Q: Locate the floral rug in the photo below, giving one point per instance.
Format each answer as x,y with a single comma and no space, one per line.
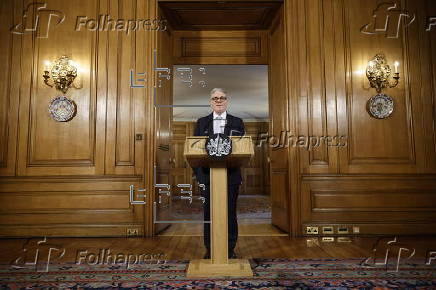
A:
248,207
268,274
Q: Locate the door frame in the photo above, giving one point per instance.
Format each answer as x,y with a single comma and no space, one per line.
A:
291,59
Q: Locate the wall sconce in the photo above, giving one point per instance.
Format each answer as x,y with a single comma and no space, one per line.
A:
62,74
378,73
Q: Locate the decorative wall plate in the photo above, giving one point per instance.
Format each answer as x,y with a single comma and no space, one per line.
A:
62,109
380,106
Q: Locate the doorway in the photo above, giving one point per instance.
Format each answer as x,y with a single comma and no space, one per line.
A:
194,47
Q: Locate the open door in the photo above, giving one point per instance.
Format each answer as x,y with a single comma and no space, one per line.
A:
255,36
163,100
278,102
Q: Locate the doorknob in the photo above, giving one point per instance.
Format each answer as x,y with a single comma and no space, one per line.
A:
268,160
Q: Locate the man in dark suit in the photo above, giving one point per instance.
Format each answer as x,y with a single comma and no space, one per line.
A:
219,121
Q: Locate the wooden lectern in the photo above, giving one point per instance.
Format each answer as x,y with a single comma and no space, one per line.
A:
195,154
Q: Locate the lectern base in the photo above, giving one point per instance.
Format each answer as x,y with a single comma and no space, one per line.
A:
205,268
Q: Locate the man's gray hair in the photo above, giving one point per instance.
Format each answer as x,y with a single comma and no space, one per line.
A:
221,90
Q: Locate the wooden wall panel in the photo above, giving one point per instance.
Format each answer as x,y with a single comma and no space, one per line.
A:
73,178
220,47
317,110
255,174
74,146
279,124
371,200
422,57
395,144
89,205
123,154
382,179
181,172
9,84
163,113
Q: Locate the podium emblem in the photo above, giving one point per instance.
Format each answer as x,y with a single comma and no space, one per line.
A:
219,145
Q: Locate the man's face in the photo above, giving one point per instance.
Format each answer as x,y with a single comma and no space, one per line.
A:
218,102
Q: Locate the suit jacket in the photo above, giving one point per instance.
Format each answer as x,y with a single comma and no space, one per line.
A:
234,127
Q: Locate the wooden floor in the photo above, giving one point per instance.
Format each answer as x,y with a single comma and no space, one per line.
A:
189,247
246,228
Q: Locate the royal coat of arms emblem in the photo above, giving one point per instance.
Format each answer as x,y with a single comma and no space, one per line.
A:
219,145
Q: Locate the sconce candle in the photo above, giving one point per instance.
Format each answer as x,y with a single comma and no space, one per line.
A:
396,64
47,65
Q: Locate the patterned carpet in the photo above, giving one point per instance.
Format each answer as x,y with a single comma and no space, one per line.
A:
248,207
268,274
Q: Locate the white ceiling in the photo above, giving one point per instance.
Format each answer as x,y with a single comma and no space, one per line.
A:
247,87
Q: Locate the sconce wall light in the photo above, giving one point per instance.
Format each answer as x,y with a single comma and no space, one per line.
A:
62,74
378,72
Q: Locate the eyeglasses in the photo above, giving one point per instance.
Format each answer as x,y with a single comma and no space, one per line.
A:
219,98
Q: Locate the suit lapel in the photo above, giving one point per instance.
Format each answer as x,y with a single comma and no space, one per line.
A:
209,126
228,124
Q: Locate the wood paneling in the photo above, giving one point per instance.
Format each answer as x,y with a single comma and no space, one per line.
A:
9,86
255,174
333,90
279,124
220,47
401,135
163,124
89,205
371,200
317,111
75,146
220,15
334,104
365,133
124,105
72,178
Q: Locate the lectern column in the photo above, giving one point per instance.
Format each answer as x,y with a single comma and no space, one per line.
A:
219,228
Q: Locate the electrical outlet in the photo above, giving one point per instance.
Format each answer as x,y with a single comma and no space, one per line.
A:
132,232
312,230
342,230
327,230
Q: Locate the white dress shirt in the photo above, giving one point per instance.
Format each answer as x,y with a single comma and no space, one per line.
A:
219,122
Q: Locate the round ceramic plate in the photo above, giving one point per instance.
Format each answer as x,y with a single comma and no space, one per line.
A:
62,109
380,106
